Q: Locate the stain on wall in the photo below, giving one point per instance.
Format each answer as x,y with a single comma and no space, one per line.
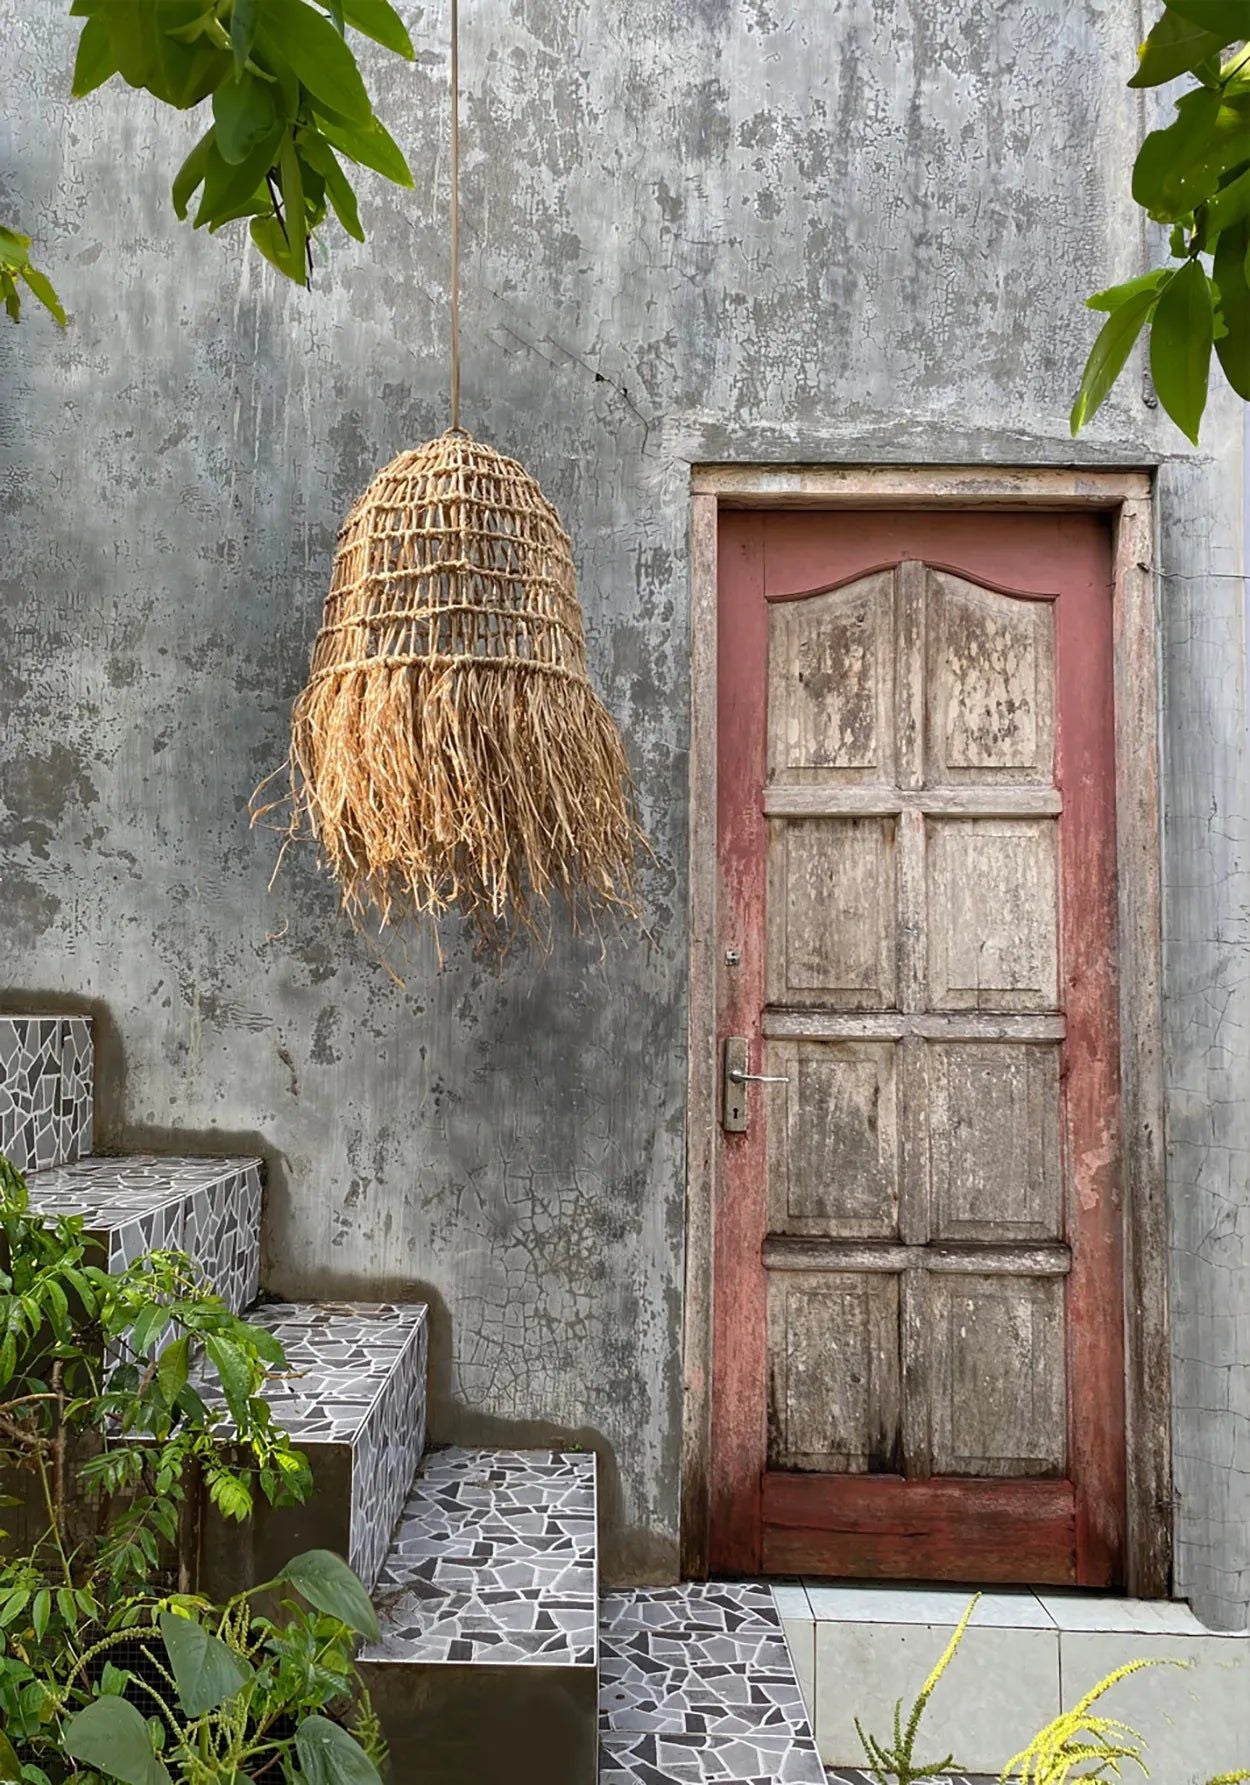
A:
728,229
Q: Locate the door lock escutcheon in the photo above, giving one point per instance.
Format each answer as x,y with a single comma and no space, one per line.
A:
735,1079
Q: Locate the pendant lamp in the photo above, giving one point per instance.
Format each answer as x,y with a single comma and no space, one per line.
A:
448,750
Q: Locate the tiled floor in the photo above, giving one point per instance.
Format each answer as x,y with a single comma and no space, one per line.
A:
696,1683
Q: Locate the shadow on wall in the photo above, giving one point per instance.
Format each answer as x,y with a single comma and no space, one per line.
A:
628,1556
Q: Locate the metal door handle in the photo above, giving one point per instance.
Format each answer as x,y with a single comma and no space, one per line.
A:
733,1113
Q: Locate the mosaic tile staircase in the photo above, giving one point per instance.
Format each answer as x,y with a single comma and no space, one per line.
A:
494,1642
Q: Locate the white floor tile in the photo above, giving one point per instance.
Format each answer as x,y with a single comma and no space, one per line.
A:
925,1605
1001,1687
1196,1721
1096,1611
791,1600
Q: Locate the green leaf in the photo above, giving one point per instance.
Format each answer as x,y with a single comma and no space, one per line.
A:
1115,295
244,19
111,1736
326,1581
264,1343
1181,336
293,209
40,1612
230,191
41,285
1233,346
95,61
1175,46
173,1368
1171,173
328,1755
10,1765
232,1366
289,31
379,20
1229,205
205,1670
317,152
246,114
371,145
1229,20
1110,351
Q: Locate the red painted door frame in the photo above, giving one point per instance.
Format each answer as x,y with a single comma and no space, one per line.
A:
1071,1531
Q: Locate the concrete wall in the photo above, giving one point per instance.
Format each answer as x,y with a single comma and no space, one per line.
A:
725,228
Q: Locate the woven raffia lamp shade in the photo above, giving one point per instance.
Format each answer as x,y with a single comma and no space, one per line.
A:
449,750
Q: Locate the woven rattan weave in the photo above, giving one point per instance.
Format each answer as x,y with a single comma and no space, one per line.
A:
449,750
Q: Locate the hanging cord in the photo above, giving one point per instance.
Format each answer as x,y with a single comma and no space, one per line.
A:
455,213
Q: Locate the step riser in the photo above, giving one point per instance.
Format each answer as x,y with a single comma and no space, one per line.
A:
487,1726
46,1097
354,1402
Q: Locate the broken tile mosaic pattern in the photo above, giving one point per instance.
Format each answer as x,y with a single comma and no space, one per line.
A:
208,1207
356,1379
696,1683
46,1070
493,1562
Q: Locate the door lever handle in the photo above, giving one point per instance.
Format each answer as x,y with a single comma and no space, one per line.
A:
733,1113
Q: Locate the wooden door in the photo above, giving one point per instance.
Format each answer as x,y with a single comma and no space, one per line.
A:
918,1348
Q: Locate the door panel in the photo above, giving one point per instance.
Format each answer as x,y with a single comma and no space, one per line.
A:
917,1288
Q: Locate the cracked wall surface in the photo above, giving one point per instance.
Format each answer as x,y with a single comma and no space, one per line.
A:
729,228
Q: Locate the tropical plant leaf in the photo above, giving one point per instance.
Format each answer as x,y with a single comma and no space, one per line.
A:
95,61
1229,20
1108,355
327,1582
206,1670
245,111
370,144
289,31
111,1736
328,1755
1229,273
316,151
1175,46
1182,333
244,18
10,1765
379,20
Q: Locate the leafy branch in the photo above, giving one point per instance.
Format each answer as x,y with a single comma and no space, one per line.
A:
1194,176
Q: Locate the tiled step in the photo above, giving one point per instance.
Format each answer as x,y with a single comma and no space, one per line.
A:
354,1401
209,1208
487,1666
46,1071
697,1684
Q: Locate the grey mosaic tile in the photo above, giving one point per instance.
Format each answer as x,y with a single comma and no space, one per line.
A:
696,1684
494,1561
46,1097
208,1207
355,1383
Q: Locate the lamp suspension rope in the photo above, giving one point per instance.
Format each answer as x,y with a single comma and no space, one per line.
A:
455,214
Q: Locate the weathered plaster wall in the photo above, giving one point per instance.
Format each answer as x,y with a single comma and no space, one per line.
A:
728,228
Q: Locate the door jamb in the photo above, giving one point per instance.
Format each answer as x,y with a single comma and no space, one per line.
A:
1128,496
